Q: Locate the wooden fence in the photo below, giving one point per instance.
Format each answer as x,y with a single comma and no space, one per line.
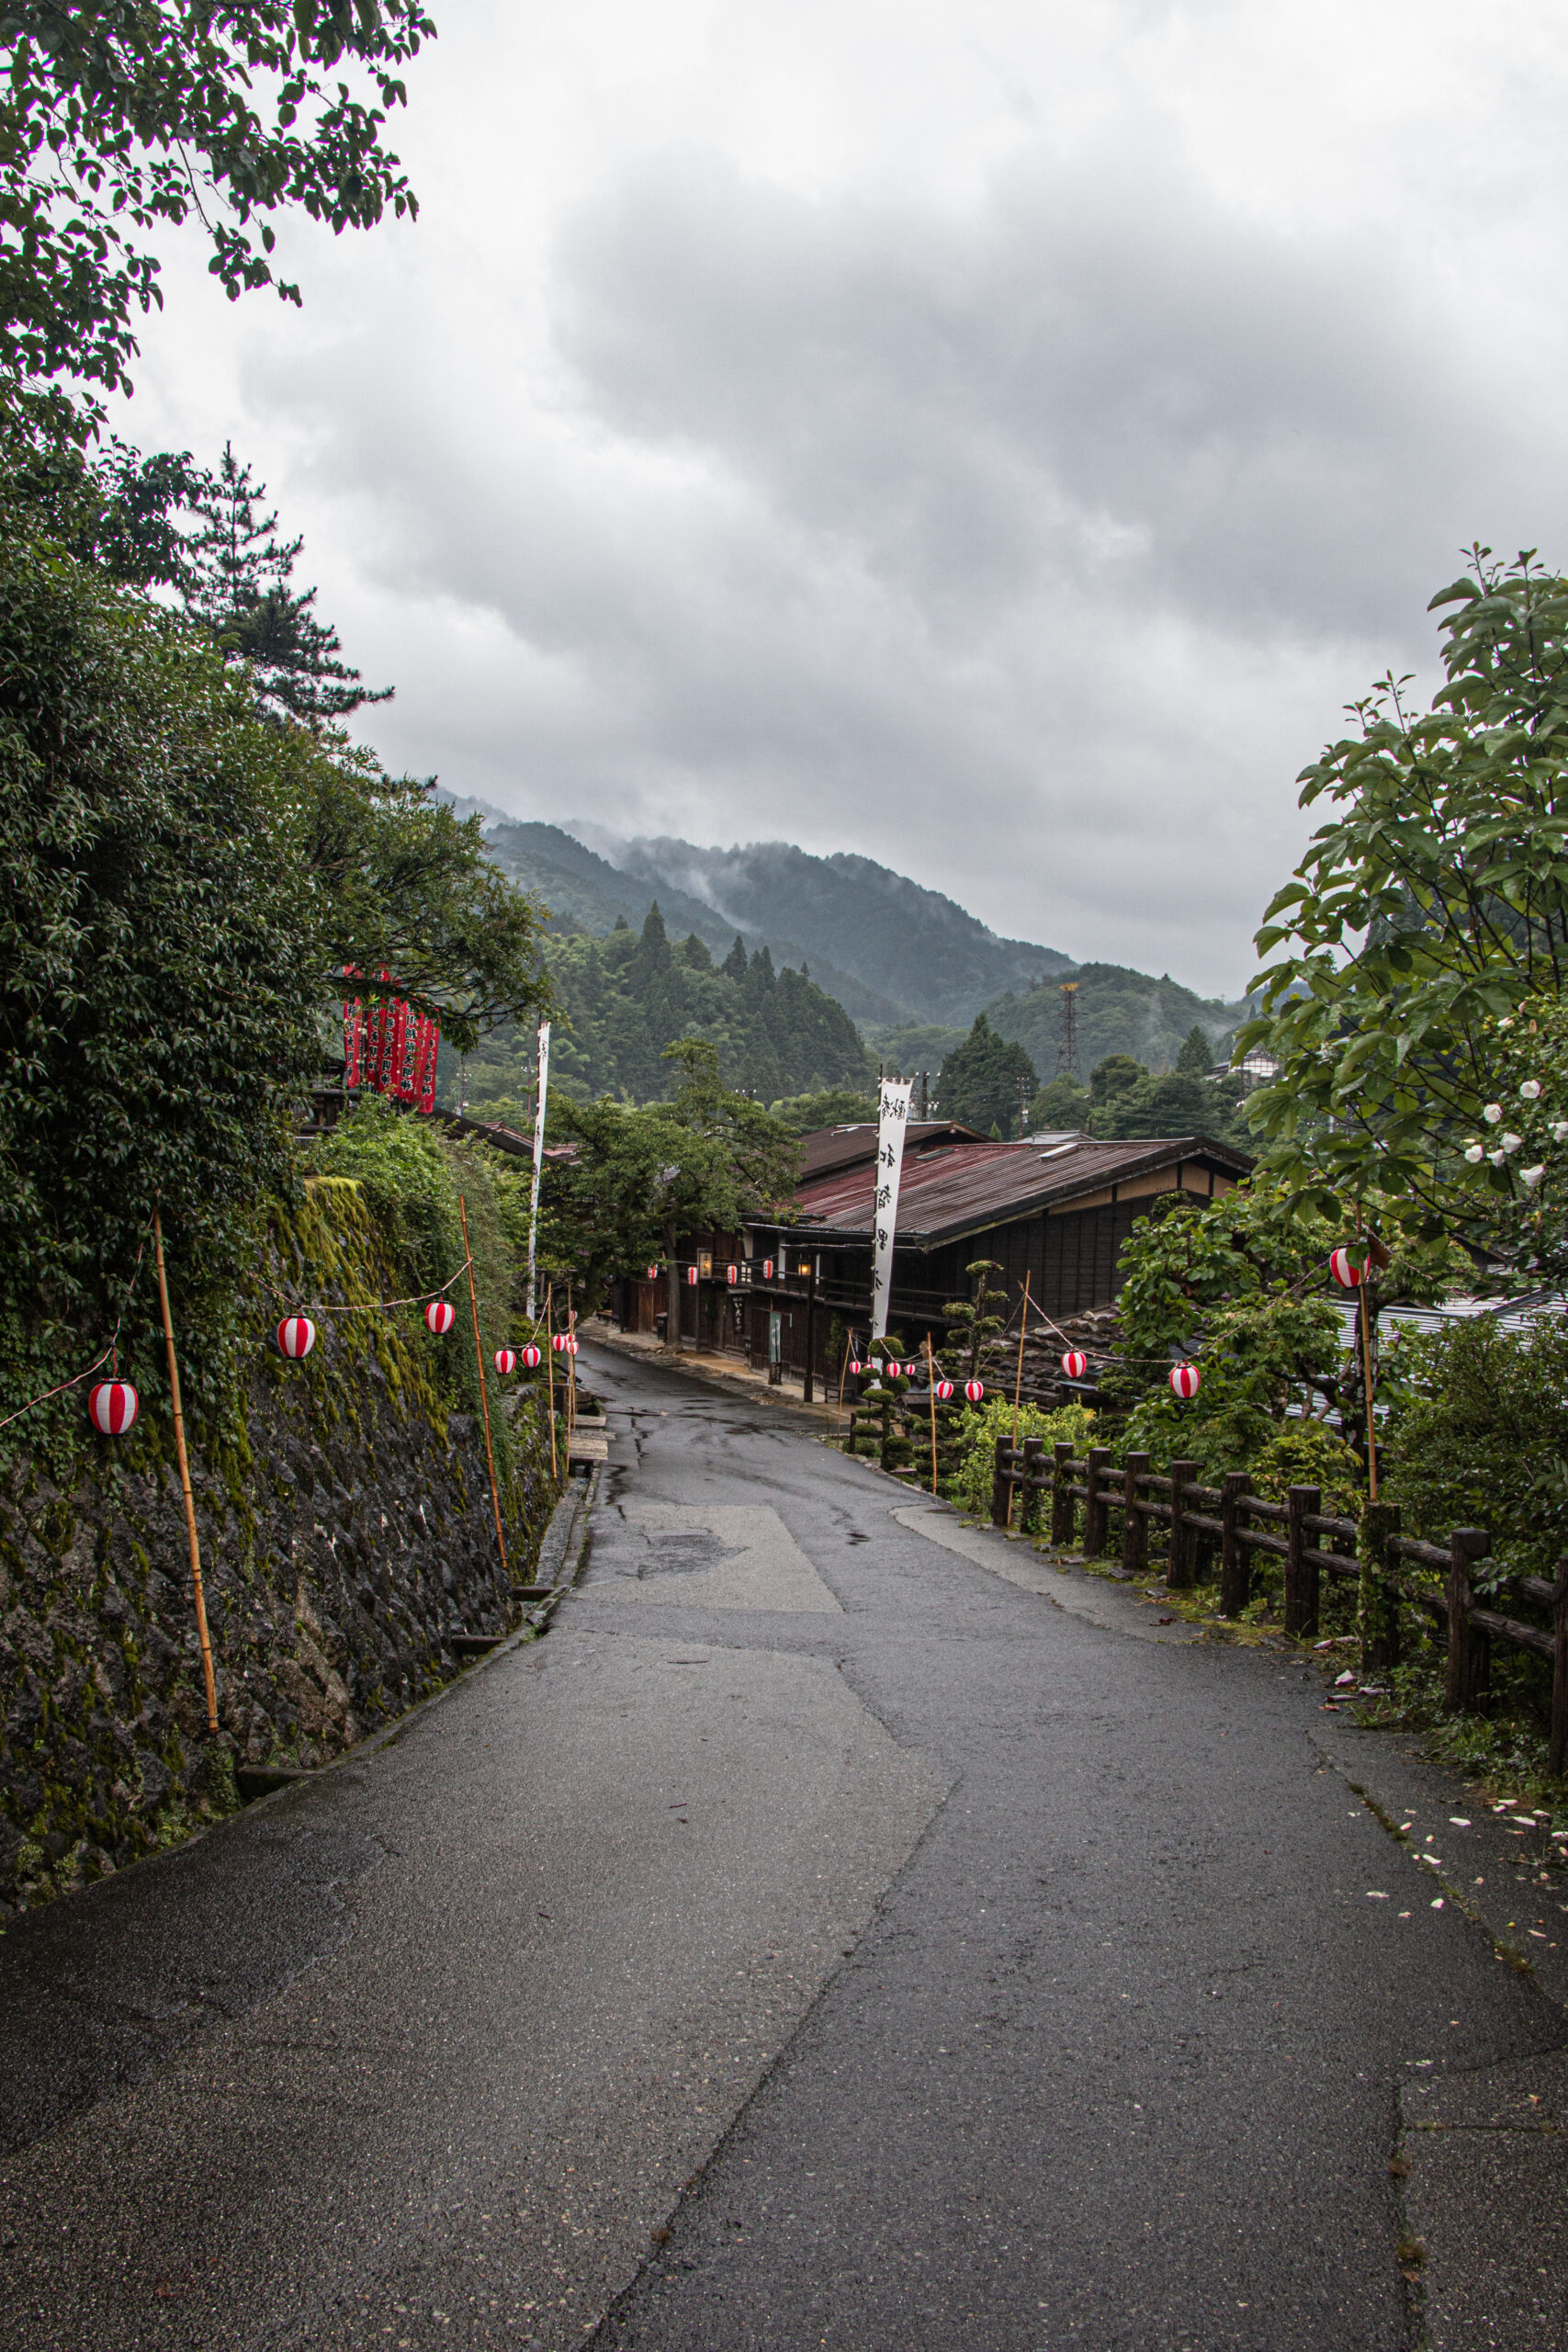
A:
1383,1565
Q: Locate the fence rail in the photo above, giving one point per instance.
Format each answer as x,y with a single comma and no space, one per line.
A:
1373,1555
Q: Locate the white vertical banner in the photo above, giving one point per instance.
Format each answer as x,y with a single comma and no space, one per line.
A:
892,1120
539,1157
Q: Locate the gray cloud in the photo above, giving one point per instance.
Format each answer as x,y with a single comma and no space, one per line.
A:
1026,530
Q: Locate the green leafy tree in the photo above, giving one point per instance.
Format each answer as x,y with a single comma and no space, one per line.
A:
639,1180
1062,1104
982,1082
836,1106
120,120
1115,1076
182,888
400,883
1428,908
159,967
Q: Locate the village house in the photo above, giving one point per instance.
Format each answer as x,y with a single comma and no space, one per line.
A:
1055,1207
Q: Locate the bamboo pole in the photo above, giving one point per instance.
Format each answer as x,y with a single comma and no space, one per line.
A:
198,1595
1367,1379
930,1377
570,1373
843,1375
484,1385
1018,1385
1366,1321
550,1376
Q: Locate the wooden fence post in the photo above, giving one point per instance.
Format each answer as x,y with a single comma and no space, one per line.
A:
1301,1575
1061,1500
1001,1482
1558,1756
1178,1574
1096,1517
1470,1647
1378,1600
1235,1569
1029,1515
1135,1526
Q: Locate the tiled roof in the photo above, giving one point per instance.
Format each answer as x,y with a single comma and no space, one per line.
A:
966,1187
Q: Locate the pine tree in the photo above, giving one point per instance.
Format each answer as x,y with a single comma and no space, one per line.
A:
1196,1058
240,592
734,964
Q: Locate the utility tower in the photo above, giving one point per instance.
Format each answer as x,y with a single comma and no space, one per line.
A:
1067,1042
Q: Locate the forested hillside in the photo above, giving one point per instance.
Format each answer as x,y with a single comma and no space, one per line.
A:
886,932
1118,1011
584,892
623,999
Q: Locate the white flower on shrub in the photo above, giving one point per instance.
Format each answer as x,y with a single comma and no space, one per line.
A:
1511,1142
1506,1021
1492,1113
1530,1088
1559,1130
1475,1153
1530,1177
1496,1157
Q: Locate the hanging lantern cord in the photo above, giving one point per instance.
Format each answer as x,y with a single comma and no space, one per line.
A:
111,1353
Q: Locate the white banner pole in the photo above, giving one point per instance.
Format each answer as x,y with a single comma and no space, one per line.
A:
893,1118
538,1158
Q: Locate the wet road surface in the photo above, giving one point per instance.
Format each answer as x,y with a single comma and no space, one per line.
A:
843,1931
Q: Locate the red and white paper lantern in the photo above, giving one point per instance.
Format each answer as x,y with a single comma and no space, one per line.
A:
653,1274
505,1361
564,1343
856,1366
1345,1271
296,1337
767,1270
1074,1364
732,1275
943,1390
531,1359
440,1315
974,1390
691,1276
1185,1379
111,1407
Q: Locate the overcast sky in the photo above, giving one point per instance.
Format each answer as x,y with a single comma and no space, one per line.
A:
997,438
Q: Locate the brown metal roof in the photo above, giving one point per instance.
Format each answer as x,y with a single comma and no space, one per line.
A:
970,1186
826,1150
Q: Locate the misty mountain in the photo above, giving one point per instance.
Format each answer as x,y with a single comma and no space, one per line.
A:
887,933
585,893
909,966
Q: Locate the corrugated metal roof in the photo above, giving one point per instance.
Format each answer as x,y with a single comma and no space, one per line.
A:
965,1187
826,1150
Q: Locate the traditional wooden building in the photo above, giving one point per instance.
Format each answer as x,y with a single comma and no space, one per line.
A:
1058,1208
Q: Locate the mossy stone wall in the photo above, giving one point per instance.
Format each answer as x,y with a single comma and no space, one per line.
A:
346,1534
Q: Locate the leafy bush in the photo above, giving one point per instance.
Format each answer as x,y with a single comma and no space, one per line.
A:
410,1177
1478,1438
982,1424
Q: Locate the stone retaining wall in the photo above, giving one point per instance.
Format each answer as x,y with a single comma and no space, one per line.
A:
343,1542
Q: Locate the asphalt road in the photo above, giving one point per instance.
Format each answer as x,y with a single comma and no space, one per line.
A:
844,1930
